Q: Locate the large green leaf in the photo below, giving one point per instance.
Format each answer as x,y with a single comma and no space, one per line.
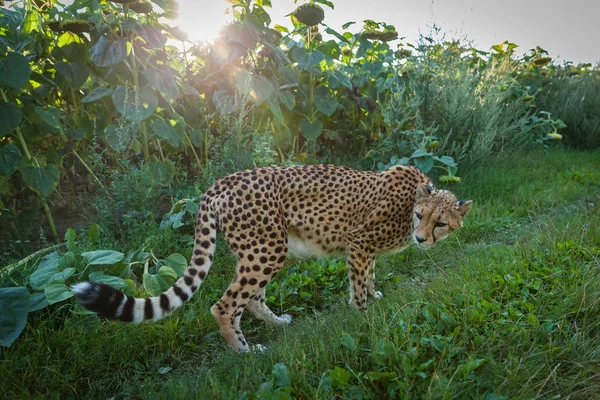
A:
135,105
119,138
164,82
45,270
151,284
178,263
97,93
169,130
288,99
311,130
106,53
57,291
76,74
307,59
9,158
166,277
38,301
425,164
49,115
256,87
276,110
161,173
41,180
14,71
337,78
197,137
72,47
103,257
330,48
324,101
114,281
14,303
10,115
33,22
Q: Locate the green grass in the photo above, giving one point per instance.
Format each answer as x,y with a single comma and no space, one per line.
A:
507,308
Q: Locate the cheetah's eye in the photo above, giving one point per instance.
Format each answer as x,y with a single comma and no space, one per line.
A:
419,216
441,224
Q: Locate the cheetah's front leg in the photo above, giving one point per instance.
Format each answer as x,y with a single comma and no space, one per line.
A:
376,294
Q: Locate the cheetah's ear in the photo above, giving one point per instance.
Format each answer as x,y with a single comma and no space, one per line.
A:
422,192
464,207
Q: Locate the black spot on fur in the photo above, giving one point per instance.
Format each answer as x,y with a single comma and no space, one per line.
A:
179,292
164,303
148,309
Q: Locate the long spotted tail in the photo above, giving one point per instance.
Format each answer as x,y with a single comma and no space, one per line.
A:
111,303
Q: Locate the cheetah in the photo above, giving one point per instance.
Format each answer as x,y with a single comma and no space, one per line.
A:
319,210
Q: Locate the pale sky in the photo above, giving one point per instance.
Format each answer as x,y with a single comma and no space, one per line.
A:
568,30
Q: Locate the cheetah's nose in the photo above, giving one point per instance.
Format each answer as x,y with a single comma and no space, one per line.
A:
420,239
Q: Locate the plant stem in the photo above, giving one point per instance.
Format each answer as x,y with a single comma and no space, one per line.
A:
28,155
24,261
87,168
50,219
136,83
19,133
192,147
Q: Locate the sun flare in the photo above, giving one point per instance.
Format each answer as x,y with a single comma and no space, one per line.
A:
203,19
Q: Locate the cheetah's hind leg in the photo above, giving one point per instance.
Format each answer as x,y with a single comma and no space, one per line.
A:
260,310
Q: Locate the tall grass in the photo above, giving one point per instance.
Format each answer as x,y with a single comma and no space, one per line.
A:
574,97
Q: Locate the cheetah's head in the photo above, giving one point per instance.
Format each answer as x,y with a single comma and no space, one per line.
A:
436,214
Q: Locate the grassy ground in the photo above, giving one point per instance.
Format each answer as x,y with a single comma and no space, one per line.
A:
507,308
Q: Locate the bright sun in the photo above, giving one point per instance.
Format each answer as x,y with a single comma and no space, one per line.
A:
202,19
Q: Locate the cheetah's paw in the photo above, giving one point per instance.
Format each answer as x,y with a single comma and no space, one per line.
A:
377,295
286,319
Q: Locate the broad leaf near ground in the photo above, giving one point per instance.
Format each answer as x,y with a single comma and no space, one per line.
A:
119,138
103,257
14,71
113,281
166,277
10,115
311,130
14,305
151,284
178,263
57,291
9,158
38,301
162,173
41,180
45,270
197,137
169,130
